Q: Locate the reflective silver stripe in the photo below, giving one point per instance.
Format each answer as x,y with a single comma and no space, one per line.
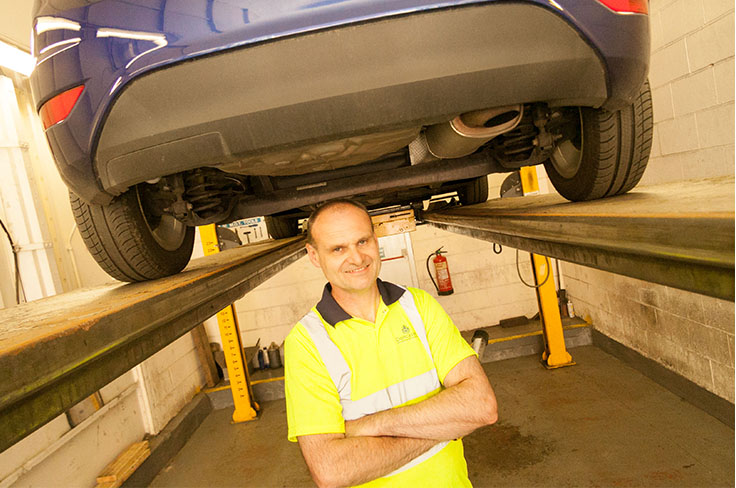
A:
407,303
394,395
332,357
420,459
430,379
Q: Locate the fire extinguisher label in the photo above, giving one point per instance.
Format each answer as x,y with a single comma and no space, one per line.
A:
443,277
442,272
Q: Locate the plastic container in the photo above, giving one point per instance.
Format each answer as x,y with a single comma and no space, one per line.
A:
274,356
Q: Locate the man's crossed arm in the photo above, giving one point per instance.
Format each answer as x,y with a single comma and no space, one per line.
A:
377,444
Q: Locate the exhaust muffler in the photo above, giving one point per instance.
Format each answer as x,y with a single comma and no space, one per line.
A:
464,134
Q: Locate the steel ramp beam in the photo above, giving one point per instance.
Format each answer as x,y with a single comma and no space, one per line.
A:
679,235
57,351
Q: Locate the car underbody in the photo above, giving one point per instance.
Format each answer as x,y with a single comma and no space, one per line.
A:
441,159
179,125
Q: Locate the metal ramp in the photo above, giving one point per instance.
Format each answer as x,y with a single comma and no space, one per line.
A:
57,351
680,235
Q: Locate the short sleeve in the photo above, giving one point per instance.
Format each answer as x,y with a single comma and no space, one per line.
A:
312,402
447,345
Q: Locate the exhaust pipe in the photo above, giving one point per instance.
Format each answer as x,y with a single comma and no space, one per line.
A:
464,134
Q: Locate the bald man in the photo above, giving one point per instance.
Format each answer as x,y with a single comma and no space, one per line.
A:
380,386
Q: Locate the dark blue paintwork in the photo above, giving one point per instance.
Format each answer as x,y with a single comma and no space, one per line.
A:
119,40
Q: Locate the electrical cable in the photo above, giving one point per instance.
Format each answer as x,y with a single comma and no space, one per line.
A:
518,271
18,282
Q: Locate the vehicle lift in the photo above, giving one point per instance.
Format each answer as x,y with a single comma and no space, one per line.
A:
680,235
555,353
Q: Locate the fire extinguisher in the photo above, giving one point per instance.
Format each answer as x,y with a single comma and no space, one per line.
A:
442,270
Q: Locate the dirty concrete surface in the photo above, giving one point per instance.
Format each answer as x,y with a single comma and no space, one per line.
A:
599,423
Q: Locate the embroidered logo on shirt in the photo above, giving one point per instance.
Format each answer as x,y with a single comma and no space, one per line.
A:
405,333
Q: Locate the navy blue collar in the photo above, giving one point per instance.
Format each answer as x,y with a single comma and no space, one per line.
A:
332,313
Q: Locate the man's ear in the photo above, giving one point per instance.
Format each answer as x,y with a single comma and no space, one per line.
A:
313,256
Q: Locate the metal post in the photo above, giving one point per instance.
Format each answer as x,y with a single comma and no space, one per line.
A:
232,346
555,353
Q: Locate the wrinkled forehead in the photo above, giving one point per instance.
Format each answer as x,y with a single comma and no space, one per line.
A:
341,222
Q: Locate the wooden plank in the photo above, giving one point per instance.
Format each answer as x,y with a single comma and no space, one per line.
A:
393,223
124,465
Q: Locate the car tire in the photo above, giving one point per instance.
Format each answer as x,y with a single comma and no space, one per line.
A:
610,157
476,191
128,245
282,227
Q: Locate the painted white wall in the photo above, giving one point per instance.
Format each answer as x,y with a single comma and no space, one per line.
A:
15,23
58,456
24,218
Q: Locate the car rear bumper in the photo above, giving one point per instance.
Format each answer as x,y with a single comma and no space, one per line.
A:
399,72
395,72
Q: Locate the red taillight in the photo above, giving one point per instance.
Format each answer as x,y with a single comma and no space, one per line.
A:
627,6
58,108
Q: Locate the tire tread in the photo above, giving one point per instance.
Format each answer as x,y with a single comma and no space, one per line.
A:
616,147
114,238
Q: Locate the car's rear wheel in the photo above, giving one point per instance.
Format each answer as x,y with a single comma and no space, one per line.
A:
282,227
476,191
608,154
131,243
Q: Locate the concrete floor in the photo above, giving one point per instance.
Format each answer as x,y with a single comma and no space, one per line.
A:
599,423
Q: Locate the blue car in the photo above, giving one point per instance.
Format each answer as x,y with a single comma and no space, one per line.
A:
166,115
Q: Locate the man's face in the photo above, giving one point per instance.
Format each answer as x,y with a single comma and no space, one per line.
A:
346,249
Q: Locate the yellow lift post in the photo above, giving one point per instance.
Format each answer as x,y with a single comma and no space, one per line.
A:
555,353
237,367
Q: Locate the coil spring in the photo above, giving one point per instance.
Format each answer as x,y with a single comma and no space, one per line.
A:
517,144
211,193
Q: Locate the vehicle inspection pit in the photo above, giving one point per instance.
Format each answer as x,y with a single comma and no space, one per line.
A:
196,137
601,422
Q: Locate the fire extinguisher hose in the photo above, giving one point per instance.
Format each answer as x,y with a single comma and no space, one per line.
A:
430,273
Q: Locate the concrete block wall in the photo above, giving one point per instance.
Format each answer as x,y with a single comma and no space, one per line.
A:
690,334
171,377
692,79
271,310
487,288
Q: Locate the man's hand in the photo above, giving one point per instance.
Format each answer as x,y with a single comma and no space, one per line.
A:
467,403
335,460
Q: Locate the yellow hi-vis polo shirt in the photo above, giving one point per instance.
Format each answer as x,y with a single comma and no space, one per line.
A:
379,355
